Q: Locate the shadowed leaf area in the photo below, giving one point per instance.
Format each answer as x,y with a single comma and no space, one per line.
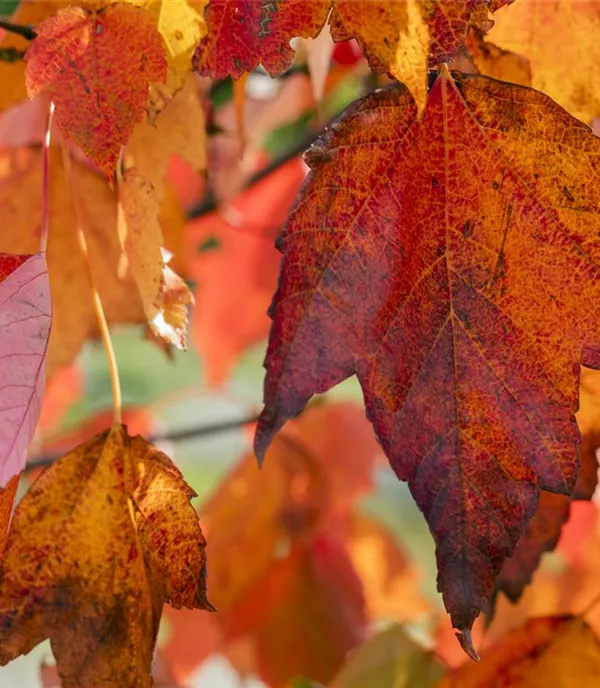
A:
450,262
102,539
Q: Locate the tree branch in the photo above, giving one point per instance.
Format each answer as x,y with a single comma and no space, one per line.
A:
25,31
209,203
11,54
173,436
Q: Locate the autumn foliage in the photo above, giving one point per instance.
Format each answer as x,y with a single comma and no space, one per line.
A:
403,192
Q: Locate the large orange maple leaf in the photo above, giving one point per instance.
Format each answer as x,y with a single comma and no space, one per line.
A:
452,263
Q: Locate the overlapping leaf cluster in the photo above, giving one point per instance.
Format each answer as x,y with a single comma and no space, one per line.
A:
444,249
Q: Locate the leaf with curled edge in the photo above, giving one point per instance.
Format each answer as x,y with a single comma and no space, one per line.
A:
25,321
103,537
397,36
439,259
97,66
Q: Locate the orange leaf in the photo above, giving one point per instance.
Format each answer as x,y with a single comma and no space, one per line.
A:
7,498
100,541
391,584
550,651
300,574
438,259
97,66
178,131
315,614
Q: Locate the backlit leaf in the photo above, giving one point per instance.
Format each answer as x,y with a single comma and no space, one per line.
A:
177,131
74,320
552,651
391,583
141,237
493,61
181,24
439,260
97,67
100,541
25,321
540,31
397,36
315,616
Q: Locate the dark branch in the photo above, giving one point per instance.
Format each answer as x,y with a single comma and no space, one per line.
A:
209,203
20,29
11,54
173,436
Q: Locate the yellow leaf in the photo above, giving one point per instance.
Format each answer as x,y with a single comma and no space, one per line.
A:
102,539
74,320
179,130
141,237
560,41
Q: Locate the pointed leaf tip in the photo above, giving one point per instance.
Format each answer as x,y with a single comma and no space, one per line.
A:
466,642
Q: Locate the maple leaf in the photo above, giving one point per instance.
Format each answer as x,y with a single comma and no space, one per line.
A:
397,36
165,296
181,24
300,576
438,260
97,67
100,605
534,29
141,237
74,320
25,321
556,650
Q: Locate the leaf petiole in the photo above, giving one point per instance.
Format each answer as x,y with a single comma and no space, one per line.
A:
97,302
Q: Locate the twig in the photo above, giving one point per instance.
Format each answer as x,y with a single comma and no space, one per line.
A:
46,180
209,203
23,30
172,436
97,303
11,54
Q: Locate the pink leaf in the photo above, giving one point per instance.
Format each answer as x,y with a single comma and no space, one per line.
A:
25,320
